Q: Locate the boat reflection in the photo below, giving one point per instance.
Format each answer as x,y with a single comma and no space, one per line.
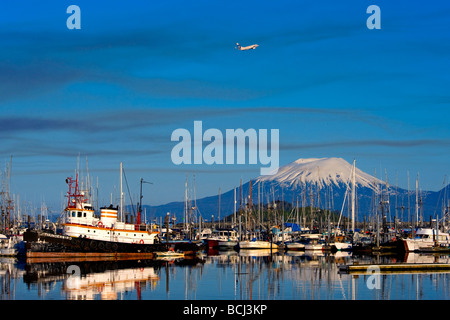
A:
110,283
101,279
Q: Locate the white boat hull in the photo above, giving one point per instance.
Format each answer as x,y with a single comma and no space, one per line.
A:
257,245
295,246
343,246
110,234
227,244
314,247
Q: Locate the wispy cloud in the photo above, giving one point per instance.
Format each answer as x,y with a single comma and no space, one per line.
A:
369,143
130,119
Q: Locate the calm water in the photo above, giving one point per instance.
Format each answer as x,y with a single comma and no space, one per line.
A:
220,276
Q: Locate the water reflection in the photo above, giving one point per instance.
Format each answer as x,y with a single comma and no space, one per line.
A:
247,275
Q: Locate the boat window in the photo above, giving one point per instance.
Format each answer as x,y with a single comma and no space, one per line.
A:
84,214
79,214
73,214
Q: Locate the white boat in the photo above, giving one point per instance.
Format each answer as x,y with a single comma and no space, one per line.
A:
342,246
10,245
313,242
426,239
227,239
80,222
295,246
257,244
222,239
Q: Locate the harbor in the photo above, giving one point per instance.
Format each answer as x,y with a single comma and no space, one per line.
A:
292,246
249,152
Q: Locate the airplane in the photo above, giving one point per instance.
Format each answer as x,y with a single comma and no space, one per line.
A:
253,46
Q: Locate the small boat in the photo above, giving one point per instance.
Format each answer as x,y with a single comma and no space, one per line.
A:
169,254
228,239
295,246
313,242
257,244
342,246
222,239
10,245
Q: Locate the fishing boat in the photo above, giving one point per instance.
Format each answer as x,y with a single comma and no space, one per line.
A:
227,239
427,239
222,239
85,232
80,222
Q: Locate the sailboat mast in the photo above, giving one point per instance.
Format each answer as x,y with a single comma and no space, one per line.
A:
234,223
240,212
219,207
185,203
121,192
353,197
417,199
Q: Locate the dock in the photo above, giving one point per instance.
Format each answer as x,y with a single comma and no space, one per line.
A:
395,268
83,255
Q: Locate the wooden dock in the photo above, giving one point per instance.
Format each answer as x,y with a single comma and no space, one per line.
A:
395,268
90,255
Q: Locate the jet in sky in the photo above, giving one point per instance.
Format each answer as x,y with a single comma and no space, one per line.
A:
253,46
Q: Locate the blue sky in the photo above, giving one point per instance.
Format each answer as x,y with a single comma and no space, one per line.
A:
115,90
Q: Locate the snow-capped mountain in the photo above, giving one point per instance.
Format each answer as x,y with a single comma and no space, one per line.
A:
321,172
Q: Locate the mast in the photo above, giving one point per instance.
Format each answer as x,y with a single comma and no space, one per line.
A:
139,211
240,212
234,223
219,208
353,197
249,212
417,199
185,203
121,192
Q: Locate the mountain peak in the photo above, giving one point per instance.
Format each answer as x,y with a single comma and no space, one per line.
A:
321,171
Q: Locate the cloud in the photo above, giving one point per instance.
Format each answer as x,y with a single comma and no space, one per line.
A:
369,143
130,119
